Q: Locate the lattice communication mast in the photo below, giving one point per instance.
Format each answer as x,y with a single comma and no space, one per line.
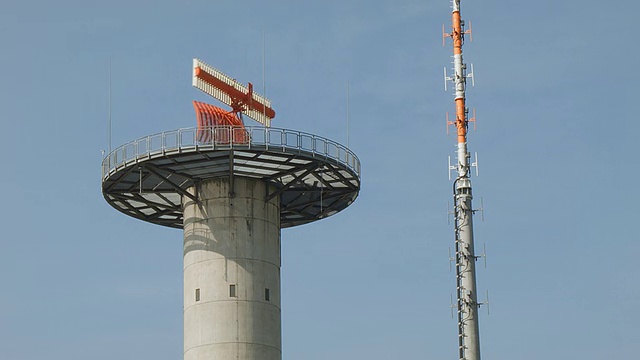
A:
466,292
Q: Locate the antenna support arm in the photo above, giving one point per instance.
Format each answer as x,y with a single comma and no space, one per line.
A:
245,101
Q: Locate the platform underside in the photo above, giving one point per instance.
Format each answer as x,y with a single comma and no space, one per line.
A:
310,184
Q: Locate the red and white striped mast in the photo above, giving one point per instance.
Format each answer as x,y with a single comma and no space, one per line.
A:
466,292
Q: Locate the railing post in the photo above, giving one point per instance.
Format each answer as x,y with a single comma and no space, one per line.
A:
326,148
283,139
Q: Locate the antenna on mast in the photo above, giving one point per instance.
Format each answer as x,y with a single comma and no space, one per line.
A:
465,258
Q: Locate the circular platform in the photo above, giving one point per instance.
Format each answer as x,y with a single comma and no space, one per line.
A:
313,176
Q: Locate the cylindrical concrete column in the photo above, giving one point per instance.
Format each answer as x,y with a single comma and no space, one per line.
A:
232,272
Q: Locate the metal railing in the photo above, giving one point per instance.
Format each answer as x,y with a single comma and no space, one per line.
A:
225,138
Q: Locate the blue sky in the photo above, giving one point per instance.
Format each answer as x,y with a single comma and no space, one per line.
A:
555,97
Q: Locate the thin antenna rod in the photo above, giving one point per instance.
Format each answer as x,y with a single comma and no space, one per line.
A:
347,114
264,60
109,112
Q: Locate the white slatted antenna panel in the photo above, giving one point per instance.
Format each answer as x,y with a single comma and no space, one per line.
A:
208,88
258,116
224,97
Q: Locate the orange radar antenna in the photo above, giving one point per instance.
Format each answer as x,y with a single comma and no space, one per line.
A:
241,99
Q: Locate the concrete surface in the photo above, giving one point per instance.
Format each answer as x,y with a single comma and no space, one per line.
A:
232,241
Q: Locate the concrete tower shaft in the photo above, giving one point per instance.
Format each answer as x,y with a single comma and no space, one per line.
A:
231,271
